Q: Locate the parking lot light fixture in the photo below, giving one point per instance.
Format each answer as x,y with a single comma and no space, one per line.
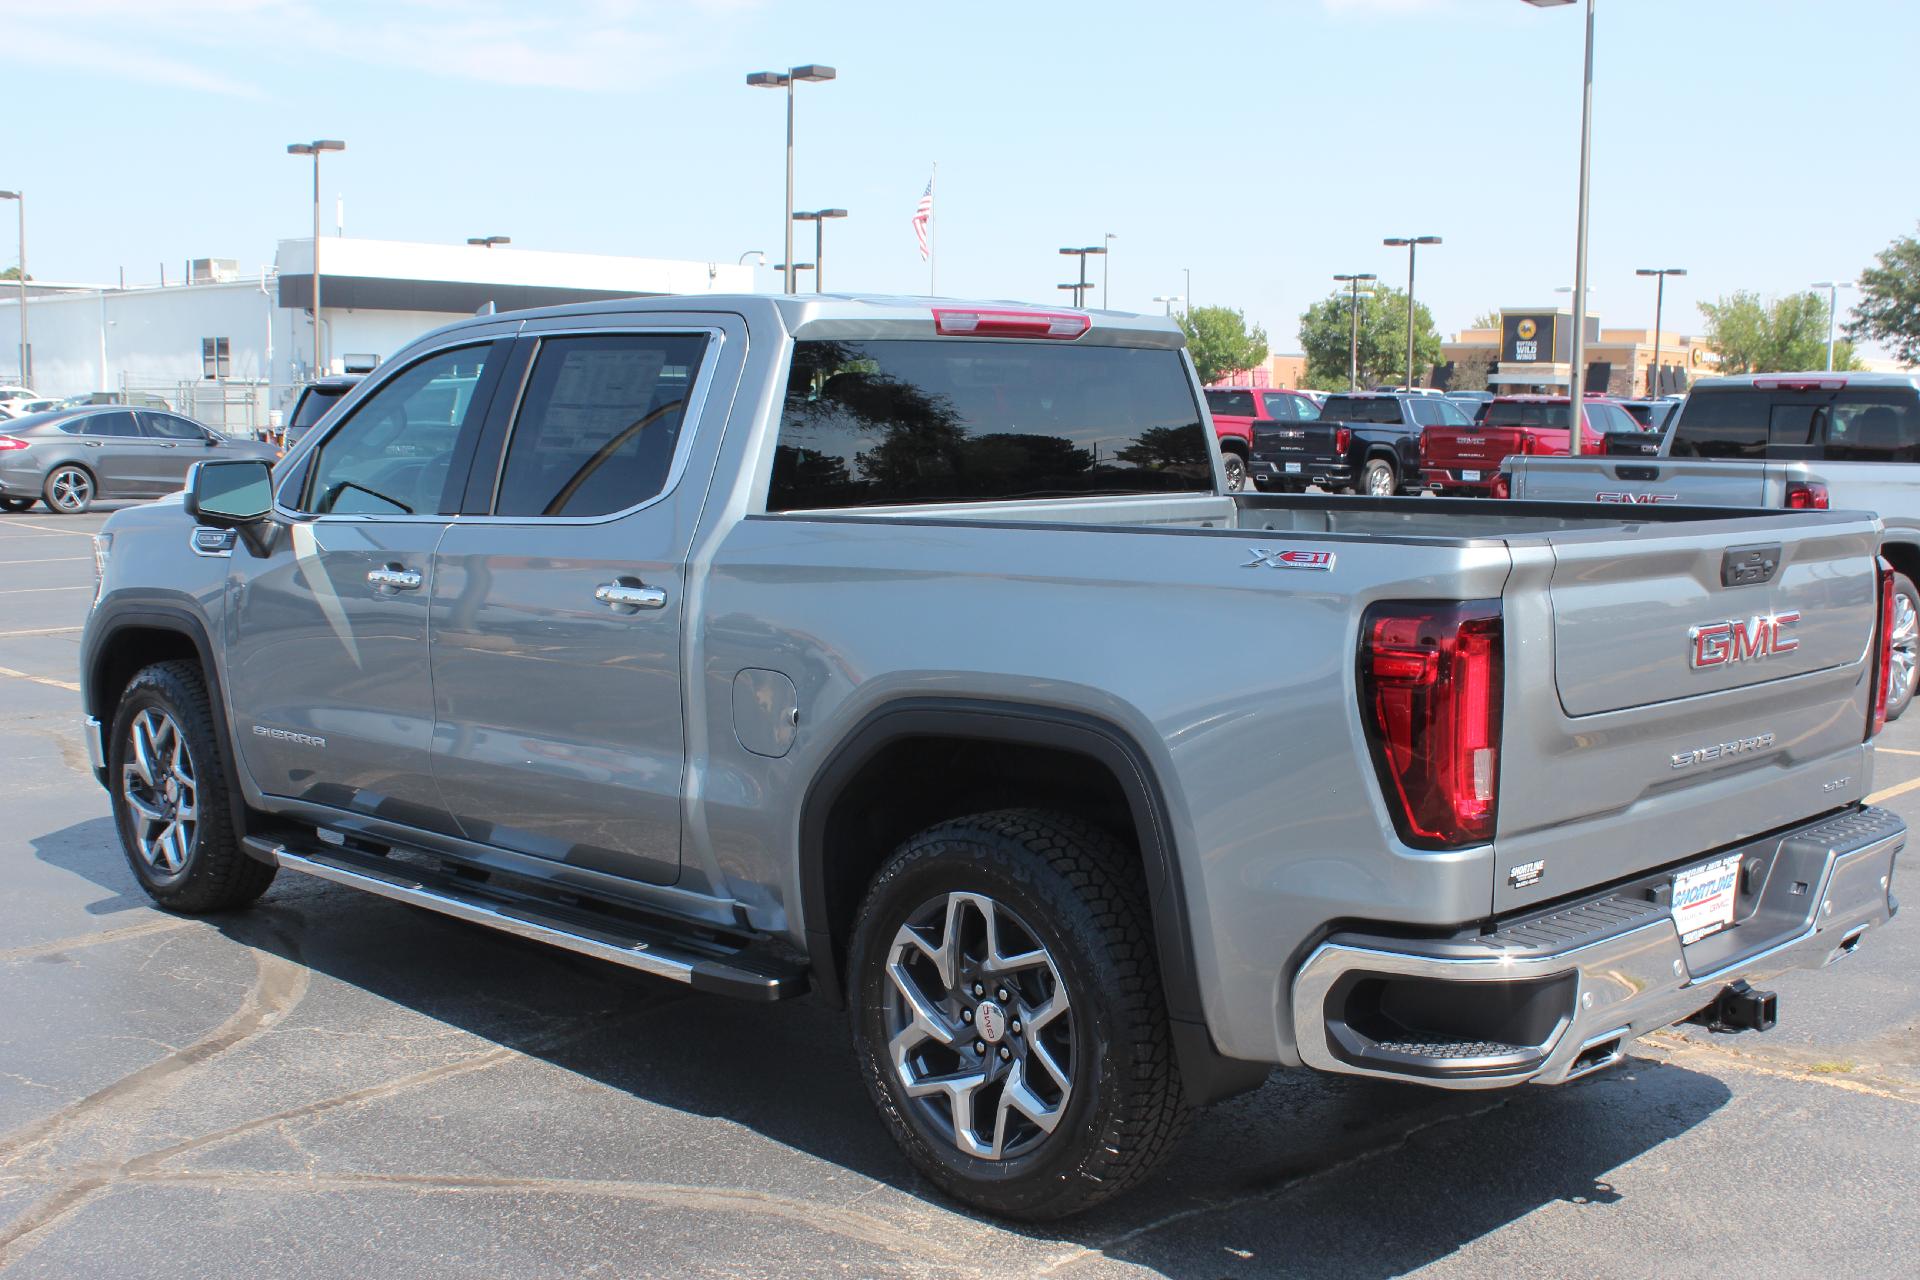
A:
1659,304
1169,299
1353,314
1411,244
314,149
813,73
26,355
487,242
819,219
1080,290
1833,288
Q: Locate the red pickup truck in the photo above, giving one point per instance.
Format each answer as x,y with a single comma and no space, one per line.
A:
1236,409
1466,460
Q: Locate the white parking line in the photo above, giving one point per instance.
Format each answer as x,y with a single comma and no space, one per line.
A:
1896,751
61,684
27,591
65,533
40,631
48,560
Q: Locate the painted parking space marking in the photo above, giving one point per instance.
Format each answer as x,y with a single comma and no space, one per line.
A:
27,591
1891,792
49,560
1896,751
39,631
69,685
47,528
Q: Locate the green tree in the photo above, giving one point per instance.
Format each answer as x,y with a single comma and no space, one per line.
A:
11,274
1486,320
1471,371
1889,310
1220,342
1756,335
1325,329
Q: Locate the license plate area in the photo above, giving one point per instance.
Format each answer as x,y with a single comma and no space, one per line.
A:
1469,475
1704,898
1293,468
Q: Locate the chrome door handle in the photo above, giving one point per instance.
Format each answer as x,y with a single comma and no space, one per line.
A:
394,578
629,596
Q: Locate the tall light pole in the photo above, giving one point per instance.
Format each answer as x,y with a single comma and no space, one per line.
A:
1659,305
790,271
1169,299
819,219
26,368
1080,290
814,73
1833,288
1577,378
314,149
1353,312
1106,243
1186,299
487,242
1411,244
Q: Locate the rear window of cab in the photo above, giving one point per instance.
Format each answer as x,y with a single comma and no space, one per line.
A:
908,421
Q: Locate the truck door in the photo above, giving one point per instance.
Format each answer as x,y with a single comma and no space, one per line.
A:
327,635
559,601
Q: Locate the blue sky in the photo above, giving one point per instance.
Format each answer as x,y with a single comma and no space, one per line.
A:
1759,143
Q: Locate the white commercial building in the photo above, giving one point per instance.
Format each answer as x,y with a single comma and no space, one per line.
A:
230,349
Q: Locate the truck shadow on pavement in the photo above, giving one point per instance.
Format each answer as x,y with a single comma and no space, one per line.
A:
1309,1175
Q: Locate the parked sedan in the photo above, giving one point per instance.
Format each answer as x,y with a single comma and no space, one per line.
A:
70,458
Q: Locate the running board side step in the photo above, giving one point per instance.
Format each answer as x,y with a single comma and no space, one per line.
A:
711,963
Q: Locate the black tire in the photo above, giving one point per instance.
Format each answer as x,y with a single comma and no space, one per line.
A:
1379,479
1906,646
1079,894
1236,469
213,873
15,505
69,490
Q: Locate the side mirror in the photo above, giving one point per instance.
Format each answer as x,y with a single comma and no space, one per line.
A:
212,442
230,493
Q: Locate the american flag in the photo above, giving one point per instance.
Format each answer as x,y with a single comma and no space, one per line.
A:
922,214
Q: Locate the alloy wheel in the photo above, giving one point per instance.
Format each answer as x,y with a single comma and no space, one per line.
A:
70,490
1236,468
163,798
1380,481
976,1026
1906,648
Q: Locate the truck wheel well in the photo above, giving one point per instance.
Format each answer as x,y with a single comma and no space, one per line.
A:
913,783
127,651
1234,444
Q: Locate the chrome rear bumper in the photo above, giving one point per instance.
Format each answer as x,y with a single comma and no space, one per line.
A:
1588,977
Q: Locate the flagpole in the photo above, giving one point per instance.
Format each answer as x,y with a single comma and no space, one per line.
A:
933,223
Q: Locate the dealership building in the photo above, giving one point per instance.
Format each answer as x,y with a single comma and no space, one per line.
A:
230,348
1532,351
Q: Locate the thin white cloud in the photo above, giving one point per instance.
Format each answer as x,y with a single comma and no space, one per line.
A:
211,45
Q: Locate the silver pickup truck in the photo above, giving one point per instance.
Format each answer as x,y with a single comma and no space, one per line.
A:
1803,441
913,655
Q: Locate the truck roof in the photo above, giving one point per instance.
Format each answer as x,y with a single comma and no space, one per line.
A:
1830,379
847,315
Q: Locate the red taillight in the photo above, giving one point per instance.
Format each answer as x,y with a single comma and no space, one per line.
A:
1882,653
1430,694
1502,487
11,442
1342,439
1806,497
975,322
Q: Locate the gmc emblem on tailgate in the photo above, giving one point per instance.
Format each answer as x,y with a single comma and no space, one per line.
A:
1720,644
1635,499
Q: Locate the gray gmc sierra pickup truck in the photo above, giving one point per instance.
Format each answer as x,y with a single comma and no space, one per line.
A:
912,654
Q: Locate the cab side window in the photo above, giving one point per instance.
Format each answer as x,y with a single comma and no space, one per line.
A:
600,423
394,455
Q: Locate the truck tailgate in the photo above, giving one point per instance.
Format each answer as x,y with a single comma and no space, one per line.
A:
1694,482
1710,682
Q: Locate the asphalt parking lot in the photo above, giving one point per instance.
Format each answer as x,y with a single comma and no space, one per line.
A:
334,1084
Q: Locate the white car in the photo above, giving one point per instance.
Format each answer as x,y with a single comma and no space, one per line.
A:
21,408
